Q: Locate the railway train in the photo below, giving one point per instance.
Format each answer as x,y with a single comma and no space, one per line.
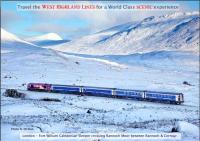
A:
167,97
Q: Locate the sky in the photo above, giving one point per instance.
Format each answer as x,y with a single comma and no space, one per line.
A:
71,24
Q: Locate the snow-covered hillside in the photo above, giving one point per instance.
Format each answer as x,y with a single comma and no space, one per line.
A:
178,31
12,43
7,37
107,115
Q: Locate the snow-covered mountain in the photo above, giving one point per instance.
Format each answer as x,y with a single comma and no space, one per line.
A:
89,40
47,39
178,31
12,43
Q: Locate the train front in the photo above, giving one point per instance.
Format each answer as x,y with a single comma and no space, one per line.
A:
39,87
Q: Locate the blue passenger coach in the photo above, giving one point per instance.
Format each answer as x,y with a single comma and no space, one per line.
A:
134,94
65,89
164,96
97,91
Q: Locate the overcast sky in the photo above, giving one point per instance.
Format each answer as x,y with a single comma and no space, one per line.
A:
73,24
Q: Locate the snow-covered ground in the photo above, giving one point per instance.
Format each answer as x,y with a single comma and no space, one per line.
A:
23,62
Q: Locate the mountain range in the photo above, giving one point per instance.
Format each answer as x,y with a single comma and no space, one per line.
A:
175,32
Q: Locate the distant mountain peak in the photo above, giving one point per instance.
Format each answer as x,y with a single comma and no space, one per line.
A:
49,37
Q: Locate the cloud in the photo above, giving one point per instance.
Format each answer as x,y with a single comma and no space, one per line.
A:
8,17
97,20
45,28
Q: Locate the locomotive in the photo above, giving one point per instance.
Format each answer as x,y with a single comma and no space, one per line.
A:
167,97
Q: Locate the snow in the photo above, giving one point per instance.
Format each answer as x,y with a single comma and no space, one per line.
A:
114,64
169,33
165,70
113,115
49,36
5,51
50,39
188,128
8,37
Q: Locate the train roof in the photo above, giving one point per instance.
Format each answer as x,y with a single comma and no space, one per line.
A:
38,84
171,93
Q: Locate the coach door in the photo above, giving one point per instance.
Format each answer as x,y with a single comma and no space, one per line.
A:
142,94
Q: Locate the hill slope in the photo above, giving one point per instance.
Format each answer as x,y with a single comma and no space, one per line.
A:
179,31
12,43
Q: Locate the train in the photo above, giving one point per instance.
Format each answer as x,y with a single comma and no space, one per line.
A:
144,95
